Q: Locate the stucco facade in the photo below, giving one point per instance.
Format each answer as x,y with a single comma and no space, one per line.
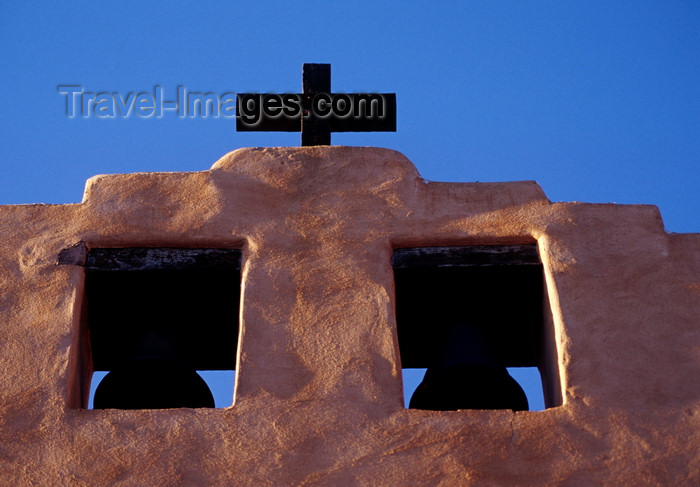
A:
318,394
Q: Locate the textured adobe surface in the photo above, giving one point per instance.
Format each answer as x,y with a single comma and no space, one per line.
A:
318,397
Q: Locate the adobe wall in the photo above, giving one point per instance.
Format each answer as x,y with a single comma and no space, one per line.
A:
318,397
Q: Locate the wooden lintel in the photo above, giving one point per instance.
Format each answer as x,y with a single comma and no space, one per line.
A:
152,258
465,256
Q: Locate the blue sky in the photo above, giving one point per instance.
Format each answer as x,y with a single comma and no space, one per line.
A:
598,101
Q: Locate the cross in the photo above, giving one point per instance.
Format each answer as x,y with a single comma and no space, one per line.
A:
316,112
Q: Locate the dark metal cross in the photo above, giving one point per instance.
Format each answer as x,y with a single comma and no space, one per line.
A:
316,112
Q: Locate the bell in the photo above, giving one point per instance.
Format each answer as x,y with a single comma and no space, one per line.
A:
467,373
153,373
152,383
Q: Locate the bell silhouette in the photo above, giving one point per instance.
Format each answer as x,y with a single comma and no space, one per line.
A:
467,373
152,383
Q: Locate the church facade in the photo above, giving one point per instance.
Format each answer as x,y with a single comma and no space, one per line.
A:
312,241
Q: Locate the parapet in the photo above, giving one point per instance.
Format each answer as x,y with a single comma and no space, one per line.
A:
318,393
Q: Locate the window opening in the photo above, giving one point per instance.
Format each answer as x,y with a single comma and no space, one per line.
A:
153,318
470,315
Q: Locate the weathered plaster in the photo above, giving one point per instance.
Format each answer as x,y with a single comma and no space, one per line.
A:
318,397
